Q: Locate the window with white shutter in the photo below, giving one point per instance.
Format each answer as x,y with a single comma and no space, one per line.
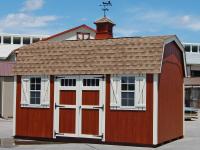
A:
35,91
128,92
45,91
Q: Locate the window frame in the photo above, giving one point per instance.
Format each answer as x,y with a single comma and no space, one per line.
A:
44,83
137,106
127,90
35,90
82,34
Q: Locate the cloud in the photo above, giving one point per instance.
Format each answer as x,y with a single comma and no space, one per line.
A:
125,32
190,22
83,19
31,5
24,20
21,20
161,18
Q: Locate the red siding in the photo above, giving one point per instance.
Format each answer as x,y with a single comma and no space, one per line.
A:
67,120
34,122
90,98
90,122
135,127
170,95
68,97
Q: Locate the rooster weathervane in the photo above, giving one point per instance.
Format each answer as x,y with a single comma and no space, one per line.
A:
105,4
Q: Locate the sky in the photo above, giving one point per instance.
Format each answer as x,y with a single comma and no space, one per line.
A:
132,17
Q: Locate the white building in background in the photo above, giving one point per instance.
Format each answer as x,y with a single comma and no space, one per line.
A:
192,83
8,44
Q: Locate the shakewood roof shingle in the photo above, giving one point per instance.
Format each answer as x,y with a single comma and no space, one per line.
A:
109,56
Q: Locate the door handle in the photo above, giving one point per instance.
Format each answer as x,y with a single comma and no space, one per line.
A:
99,107
58,106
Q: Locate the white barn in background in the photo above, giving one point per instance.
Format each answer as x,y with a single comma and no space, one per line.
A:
192,82
8,44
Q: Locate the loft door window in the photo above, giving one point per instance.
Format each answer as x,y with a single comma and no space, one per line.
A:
83,36
128,91
35,90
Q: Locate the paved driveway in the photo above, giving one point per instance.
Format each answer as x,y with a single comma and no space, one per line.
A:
5,128
190,142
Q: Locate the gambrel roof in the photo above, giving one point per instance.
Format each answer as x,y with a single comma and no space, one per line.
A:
109,56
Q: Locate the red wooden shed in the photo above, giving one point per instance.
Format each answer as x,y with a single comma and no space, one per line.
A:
115,90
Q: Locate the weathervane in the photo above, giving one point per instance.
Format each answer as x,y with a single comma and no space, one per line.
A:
105,4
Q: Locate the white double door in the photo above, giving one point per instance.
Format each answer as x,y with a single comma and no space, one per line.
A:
79,106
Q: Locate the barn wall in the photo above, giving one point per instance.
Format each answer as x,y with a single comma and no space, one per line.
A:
34,122
170,95
134,127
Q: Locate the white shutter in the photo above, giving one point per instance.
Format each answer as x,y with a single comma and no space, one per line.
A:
140,90
45,90
115,89
25,90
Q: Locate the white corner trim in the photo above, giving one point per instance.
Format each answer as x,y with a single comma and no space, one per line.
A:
155,109
14,105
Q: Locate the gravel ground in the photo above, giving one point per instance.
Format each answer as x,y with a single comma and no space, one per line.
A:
191,141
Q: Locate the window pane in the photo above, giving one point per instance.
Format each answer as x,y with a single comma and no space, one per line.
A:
37,100
194,48
7,40
26,40
62,82
131,103
124,95
66,82
131,87
187,48
131,95
32,80
70,82
124,87
38,80
38,86
93,82
131,79
97,82
88,82
74,82
32,101
37,94
124,102
84,82
124,80
32,86
16,40
32,94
